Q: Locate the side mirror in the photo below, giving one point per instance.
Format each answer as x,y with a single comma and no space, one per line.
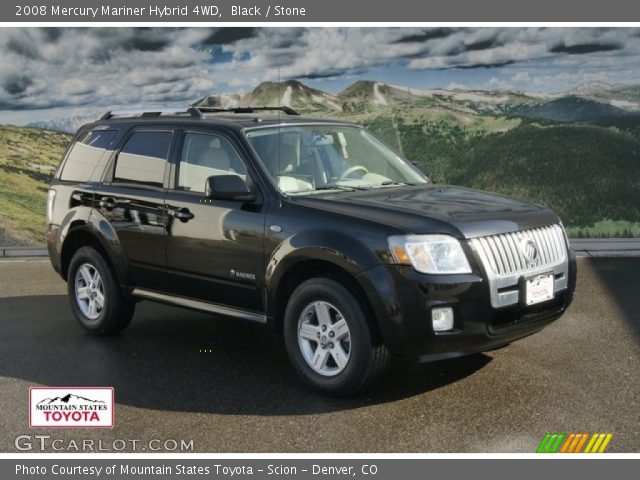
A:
228,187
422,168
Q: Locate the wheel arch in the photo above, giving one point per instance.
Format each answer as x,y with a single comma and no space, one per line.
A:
307,268
80,234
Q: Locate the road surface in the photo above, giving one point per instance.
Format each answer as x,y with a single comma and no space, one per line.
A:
228,387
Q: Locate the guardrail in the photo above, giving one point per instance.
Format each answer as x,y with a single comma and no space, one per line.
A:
23,252
591,247
606,247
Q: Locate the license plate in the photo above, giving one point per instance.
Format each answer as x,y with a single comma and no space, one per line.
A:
539,288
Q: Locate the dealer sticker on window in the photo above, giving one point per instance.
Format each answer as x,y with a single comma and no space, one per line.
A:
539,288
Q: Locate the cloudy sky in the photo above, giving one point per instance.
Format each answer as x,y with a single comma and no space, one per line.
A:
54,72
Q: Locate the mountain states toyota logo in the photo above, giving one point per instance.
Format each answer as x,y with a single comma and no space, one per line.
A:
71,407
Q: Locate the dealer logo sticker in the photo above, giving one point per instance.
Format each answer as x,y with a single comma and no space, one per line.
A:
71,407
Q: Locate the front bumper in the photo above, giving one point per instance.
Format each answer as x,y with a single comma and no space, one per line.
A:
402,300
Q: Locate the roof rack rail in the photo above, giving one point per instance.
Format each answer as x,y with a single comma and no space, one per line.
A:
194,112
287,110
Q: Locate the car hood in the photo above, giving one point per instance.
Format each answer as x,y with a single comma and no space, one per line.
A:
460,211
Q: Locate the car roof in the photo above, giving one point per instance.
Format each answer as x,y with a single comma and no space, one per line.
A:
237,121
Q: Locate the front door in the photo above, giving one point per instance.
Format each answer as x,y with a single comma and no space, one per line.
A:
214,247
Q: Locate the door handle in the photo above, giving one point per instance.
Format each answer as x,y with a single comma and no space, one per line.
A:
182,214
109,203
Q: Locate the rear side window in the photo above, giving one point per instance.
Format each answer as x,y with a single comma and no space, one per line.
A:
143,158
85,159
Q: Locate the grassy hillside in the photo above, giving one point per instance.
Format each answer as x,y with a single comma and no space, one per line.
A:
569,109
581,171
28,159
586,172
579,156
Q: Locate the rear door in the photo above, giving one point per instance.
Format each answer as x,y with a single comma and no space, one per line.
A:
214,247
132,201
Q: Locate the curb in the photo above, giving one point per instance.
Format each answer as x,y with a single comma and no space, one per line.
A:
589,247
606,247
23,252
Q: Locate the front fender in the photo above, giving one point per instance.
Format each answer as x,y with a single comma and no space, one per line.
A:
343,251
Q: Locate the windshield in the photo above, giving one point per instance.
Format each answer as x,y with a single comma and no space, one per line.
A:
312,158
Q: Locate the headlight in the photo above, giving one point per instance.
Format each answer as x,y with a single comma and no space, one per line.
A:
429,253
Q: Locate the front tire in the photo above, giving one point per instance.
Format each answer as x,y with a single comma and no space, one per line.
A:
328,339
96,299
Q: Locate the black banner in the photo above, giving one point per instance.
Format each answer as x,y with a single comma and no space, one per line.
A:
297,11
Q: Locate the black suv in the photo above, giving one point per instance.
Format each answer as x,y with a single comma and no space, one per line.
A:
313,227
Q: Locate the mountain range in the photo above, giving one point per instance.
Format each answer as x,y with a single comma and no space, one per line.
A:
586,102
69,124
366,98
68,399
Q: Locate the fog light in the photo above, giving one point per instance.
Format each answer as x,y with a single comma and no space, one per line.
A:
442,319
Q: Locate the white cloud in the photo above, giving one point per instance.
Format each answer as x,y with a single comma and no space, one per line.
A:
457,86
499,84
520,77
104,66
244,82
49,67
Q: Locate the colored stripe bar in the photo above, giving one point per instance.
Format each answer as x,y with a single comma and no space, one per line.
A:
567,442
556,445
598,443
541,448
596,446
576,441
582,441
554,442
606,441
550,443
591,443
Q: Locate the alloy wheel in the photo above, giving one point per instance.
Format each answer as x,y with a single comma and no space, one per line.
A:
89,291
324,338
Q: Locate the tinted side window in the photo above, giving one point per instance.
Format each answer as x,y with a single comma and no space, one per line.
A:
143,158
85,155
206,155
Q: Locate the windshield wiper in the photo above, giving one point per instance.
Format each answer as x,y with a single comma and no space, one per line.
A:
333,186
329,186
396,182
323,188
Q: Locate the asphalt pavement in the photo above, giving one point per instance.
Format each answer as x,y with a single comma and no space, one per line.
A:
228,386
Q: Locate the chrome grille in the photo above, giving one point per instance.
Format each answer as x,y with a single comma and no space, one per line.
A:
505,261
506,254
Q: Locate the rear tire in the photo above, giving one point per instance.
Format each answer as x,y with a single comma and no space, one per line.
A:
95,295
329,340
